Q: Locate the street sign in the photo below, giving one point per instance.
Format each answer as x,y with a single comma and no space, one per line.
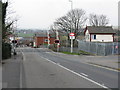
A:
72,34
72,37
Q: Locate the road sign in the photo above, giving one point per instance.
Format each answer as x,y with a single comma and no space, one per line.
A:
72,37
72,34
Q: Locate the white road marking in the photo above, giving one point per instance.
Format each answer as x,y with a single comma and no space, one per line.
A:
84,74
21,69
77,74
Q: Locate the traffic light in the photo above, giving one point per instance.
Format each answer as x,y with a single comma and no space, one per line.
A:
57,41
14,41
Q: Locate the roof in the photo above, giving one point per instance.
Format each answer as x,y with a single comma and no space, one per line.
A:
44,35
25,35
100,29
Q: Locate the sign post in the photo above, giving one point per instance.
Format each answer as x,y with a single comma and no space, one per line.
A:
57,41
72,36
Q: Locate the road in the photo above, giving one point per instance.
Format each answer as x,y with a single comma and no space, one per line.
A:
43,68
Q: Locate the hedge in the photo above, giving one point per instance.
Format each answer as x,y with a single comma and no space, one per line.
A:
6,50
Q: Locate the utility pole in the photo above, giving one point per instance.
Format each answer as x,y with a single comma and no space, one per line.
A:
71,27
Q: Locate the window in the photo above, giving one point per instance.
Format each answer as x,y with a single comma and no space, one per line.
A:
46,40
94,37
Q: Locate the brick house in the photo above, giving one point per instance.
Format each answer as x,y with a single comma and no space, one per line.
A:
99,34
42,39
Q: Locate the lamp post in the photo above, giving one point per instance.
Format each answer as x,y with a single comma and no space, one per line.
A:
71,27
71,4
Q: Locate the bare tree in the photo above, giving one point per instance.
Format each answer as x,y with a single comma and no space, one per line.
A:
53,29
98,20
103,20
72,21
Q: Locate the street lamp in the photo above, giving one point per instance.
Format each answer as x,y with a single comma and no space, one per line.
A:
71,4
71,11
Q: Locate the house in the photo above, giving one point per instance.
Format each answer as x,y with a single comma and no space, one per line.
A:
99,34
42,39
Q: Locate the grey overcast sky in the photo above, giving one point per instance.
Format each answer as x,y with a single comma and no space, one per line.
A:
40,14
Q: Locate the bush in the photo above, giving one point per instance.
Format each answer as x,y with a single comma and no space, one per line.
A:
6,50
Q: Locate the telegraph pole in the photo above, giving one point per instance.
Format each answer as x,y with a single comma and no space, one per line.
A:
71,27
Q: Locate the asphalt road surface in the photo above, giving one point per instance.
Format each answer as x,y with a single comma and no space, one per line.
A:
42,68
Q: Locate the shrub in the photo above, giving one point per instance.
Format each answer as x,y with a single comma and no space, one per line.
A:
6,50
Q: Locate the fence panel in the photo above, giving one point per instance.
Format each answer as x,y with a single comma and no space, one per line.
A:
99,48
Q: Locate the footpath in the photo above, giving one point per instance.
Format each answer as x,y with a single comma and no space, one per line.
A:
111,62
11,71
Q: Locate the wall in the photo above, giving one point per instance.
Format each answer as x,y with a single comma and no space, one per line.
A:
87,35
41,40
102,38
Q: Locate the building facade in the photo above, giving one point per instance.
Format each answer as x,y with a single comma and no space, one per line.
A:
99,34
42,39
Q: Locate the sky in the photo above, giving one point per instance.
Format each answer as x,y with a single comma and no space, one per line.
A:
41,14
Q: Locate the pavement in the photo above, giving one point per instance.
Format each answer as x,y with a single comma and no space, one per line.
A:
0,76
103,61
11,72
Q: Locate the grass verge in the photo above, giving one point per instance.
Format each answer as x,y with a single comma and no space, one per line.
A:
70,53
80,53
